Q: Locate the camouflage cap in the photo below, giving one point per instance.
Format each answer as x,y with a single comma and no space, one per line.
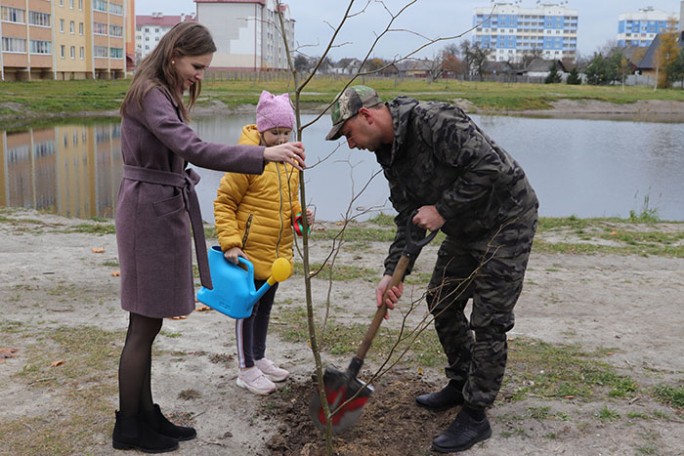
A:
347,106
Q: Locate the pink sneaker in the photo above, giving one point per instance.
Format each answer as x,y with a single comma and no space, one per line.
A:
271,370
255,381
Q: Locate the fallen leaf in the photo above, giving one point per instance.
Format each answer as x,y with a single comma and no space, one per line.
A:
97,250
57,363
202,308
7,352
116,273
179,317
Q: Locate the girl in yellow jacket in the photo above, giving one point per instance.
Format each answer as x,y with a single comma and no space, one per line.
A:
255,217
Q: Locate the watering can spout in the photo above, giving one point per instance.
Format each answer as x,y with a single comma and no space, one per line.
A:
234,293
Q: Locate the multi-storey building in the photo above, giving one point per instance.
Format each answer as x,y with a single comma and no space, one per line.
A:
247,33
640,28
512,32
62,39
149,30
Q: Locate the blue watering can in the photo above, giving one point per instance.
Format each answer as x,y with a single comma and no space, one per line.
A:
234,293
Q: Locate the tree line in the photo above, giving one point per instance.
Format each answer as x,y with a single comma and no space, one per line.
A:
469,61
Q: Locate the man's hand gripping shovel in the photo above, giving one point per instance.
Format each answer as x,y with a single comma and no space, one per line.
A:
345,393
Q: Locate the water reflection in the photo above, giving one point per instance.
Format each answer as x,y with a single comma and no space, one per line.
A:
587,168
71,170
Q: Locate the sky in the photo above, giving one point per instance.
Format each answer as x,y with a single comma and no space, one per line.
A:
419,23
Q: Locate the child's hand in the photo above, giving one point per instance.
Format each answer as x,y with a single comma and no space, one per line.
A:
233,253
309,216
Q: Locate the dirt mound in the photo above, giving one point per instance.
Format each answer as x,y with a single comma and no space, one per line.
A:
392,406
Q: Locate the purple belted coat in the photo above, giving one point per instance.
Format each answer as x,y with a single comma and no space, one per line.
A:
157,201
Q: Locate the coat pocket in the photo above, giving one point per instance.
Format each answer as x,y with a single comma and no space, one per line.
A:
169,205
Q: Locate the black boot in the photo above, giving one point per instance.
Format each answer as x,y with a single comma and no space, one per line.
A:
449,396
157,421
131,432
462,434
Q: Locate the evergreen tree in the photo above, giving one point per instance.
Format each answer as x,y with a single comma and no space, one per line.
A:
574,77
554,77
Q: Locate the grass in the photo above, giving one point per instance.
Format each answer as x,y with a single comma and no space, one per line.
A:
610,236
535,368
42,99
78,363
672,396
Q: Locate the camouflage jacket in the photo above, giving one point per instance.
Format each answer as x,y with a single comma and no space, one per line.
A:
441,157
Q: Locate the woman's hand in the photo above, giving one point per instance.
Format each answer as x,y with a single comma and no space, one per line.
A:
291,153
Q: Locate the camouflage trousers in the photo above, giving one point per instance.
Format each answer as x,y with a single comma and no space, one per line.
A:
490,271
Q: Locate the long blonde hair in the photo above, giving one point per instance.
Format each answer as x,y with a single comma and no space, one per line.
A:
156,70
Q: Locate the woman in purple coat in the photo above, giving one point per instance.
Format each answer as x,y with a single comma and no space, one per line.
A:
156,208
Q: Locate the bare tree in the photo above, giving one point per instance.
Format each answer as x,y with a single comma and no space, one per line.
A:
368,66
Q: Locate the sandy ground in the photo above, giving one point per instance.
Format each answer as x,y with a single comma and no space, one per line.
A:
632,305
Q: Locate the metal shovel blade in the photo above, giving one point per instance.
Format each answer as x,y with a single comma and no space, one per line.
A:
346,397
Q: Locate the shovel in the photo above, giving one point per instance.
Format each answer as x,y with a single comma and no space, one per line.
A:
346,395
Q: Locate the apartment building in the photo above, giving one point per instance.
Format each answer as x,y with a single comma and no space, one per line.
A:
511,32
247,33
150,28
62,39
640,28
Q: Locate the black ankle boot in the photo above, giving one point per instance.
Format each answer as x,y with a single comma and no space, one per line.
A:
462,434
449,396
157,421
131,432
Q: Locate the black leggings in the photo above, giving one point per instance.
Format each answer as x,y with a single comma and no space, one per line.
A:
135,365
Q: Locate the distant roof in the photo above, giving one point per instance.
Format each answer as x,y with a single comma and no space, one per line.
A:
415,65
539,65
161,20
261,2
648,62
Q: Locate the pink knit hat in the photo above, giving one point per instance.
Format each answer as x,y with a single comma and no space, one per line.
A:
274,111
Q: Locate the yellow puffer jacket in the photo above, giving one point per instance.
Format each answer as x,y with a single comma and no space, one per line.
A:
255,212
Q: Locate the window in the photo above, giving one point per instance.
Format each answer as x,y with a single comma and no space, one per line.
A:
72,27
101,51
62,50
116,53
71,4
99,5
12,15
80,28
99,28
41,47
39,19
115,30
72,52
13,44
81,52
61,25
116,9
80,5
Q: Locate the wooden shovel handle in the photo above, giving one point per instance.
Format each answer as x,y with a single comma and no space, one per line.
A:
397,277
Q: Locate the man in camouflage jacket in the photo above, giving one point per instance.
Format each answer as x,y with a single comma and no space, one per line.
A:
448,175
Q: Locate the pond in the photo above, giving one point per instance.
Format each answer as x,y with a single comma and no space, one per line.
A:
585,168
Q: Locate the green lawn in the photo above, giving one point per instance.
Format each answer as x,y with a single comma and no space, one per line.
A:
72,98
